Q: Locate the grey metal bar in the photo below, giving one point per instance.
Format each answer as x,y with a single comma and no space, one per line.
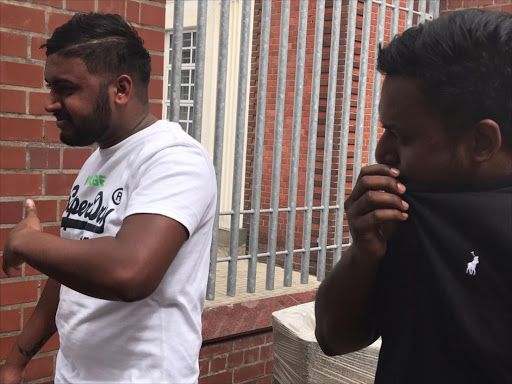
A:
361,98
220,110
422,8
278,138
410,9
258,145
345,125
329,132
270,210
394,18
434,8
197,120
374,125
177,48
279,253
239,145
313,127
297,121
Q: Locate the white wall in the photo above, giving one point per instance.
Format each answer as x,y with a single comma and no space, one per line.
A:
210,85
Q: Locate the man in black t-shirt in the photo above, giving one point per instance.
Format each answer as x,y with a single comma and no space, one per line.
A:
430,265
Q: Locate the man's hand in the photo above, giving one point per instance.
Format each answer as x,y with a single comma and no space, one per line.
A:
21,232
374,208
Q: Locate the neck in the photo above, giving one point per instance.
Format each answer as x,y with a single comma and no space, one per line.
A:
126,128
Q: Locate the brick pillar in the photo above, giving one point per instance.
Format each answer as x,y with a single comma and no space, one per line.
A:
33,162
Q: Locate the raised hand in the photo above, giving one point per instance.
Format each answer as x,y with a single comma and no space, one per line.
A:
374,208
20,233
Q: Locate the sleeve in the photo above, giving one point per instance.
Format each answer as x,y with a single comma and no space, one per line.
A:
177,182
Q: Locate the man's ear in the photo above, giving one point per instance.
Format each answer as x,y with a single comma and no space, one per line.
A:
124,89
485,140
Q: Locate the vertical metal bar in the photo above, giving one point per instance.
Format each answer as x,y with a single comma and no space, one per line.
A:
197,120
297,125
177,48
220,110
361,98
313,127
239,146
345,126
278,138
410,8
258,145
329,132
434,8
374,125
422,7
394,19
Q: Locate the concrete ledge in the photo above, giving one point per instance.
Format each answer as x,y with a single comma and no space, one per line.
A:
247,317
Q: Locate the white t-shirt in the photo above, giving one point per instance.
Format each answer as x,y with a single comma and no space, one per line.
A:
159,170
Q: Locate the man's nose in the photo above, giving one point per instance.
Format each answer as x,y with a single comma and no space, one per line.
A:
386,153
52,104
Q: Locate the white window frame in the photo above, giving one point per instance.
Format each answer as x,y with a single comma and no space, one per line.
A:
187,85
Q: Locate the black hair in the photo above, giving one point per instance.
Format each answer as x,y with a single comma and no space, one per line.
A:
108,45
464,62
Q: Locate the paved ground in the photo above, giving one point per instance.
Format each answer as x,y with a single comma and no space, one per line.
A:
241,284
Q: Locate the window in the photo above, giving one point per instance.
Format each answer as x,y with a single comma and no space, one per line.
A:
188,66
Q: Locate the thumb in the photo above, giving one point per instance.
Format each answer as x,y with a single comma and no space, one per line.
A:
30,209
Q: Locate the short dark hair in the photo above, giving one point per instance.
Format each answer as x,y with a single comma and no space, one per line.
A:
108,45
464,62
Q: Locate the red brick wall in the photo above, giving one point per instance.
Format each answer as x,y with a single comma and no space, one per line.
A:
288,119
447,6
245,359
33,162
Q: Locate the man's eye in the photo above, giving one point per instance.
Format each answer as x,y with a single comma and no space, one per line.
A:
63,90
390,132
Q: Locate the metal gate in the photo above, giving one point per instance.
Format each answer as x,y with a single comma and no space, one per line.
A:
350,127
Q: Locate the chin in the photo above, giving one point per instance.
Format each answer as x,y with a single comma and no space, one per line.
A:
74,141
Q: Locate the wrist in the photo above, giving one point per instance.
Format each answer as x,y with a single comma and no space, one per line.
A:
17,359
361,253
19,240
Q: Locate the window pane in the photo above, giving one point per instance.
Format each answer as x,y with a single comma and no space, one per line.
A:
184,93
191,113
183,113
191,92
185,76
169,91
168,115
187,39
193,76
193,57
185,56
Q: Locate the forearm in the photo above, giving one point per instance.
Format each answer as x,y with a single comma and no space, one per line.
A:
345,319
38,329
95,267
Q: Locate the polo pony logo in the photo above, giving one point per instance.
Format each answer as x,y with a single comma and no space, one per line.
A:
471,269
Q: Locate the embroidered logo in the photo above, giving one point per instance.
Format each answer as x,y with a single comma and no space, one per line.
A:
471,269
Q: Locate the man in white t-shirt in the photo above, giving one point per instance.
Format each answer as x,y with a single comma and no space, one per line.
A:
127,277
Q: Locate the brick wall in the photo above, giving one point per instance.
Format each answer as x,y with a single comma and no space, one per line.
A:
447,6
288,119
33,162
245,359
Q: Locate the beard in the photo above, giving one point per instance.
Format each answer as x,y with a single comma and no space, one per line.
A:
86,130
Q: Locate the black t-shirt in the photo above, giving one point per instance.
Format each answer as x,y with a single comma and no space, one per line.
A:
444,288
